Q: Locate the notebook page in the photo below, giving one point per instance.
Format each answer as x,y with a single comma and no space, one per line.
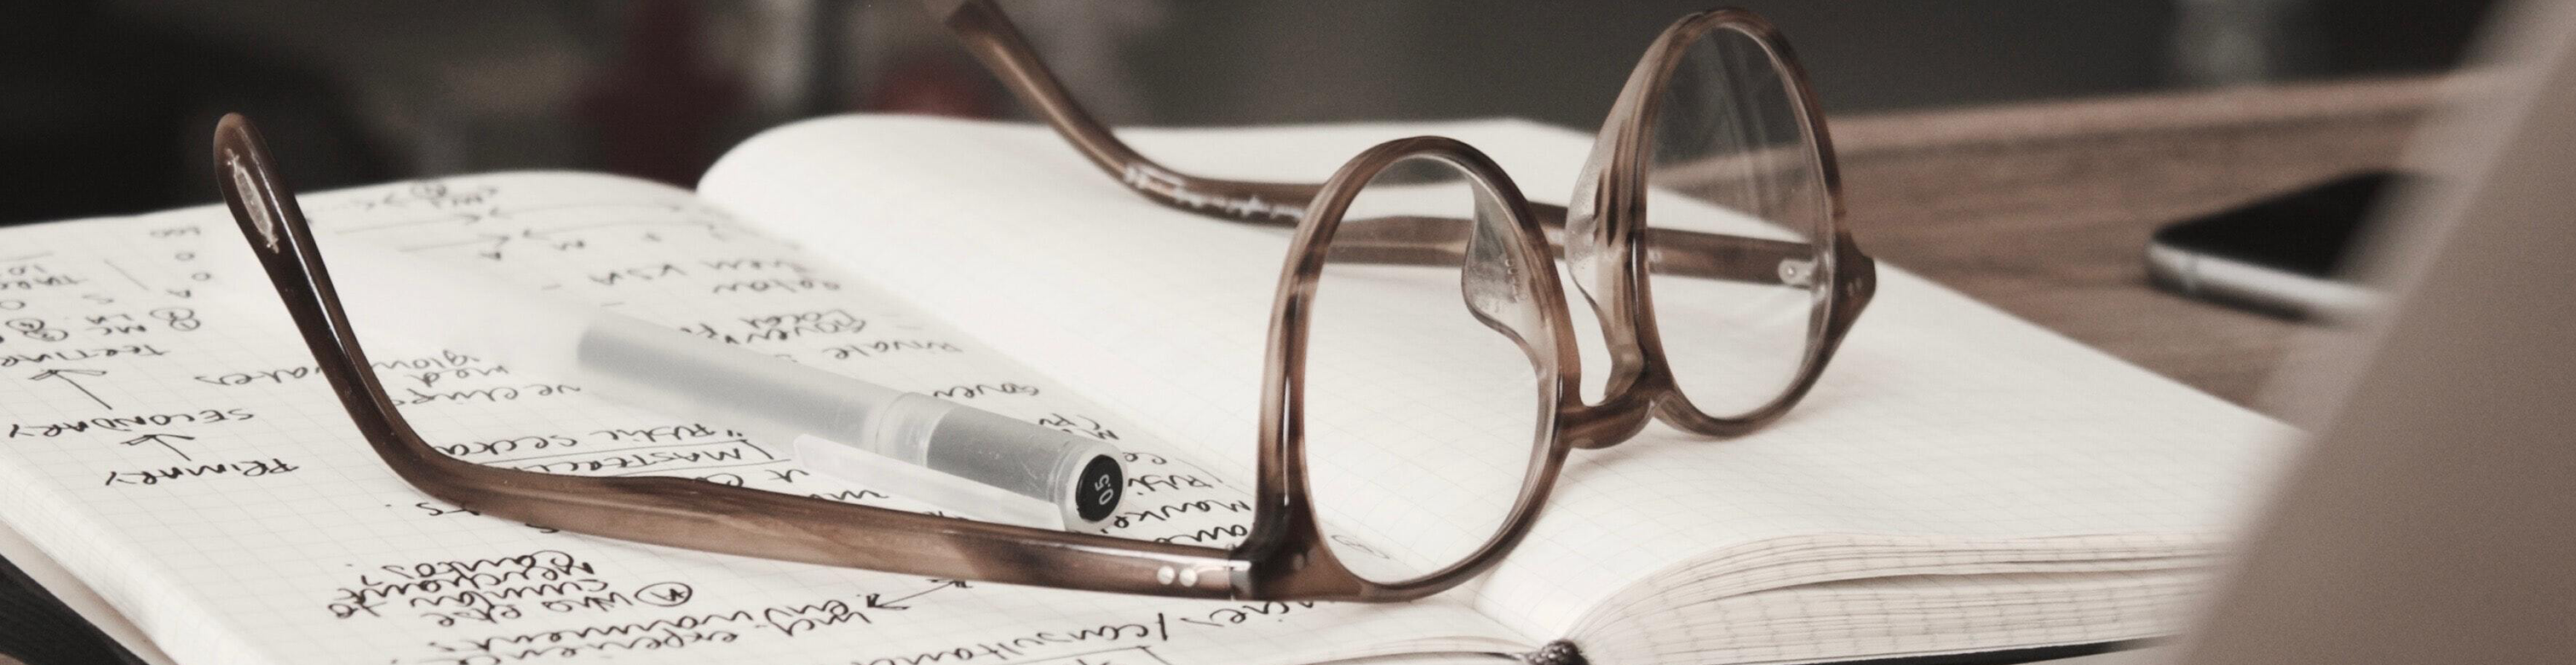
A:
180,455
1943,421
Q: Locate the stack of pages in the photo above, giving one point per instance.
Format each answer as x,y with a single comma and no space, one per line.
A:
1959,481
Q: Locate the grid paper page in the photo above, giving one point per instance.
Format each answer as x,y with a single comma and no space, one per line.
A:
163,433
1944,425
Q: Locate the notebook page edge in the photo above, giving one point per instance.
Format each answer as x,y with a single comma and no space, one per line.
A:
83,600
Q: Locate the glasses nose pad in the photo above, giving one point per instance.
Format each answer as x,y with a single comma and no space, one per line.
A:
1495,279
1583,226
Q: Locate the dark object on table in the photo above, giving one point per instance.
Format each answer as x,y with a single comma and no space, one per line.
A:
2281,254
37,628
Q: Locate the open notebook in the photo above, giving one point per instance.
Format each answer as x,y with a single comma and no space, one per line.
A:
1959,481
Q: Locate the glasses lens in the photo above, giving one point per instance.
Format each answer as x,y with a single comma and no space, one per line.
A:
1736,212
1422,412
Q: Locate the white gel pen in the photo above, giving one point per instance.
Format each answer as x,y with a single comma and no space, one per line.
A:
961,459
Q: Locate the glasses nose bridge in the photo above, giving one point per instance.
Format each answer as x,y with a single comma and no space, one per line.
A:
1615,420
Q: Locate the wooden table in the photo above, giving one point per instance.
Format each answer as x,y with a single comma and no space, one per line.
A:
2044,209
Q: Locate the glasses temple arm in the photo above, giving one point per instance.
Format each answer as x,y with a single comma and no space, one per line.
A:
1729,257
1443,241
989,34
676,512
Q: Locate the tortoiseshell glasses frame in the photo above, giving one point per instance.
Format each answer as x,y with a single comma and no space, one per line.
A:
1285,556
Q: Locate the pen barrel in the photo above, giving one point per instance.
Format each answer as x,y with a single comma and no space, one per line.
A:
777,401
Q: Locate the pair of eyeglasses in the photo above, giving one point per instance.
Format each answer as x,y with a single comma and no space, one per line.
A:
1420,287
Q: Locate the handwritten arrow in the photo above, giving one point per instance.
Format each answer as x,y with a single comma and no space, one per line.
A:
875,603
534,233
163,439
63,375
594,205
494,240
464,217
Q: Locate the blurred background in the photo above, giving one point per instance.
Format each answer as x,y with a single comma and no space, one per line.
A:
105,107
